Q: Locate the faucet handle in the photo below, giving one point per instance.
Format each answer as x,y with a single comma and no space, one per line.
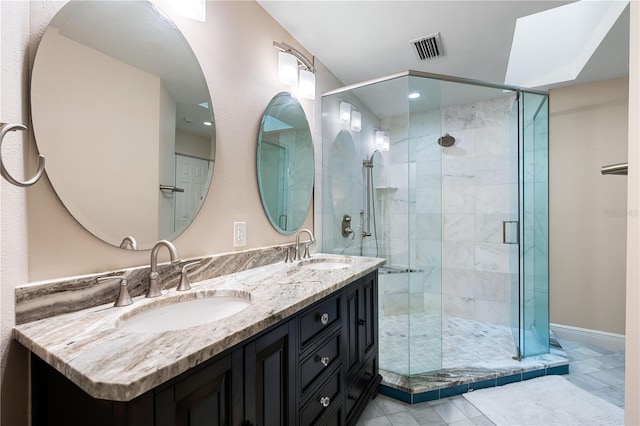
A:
123,298
307,255
287,255
184,278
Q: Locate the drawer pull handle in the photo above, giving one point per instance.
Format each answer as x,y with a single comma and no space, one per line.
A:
368,374
324,360
324,318
325,401
351,397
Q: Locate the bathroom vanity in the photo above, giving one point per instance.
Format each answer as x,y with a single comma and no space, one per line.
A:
304,352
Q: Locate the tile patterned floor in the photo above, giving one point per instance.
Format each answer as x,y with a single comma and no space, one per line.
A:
463,342
595,369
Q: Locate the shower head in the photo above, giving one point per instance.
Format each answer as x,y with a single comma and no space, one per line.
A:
446,140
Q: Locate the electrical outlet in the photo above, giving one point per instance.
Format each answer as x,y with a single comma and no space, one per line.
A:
239,234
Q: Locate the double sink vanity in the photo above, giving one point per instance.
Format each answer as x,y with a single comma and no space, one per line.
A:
257,339
282,343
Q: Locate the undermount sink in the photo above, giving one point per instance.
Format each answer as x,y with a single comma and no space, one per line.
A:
184,314
325,263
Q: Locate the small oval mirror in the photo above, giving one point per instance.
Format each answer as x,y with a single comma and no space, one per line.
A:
285,163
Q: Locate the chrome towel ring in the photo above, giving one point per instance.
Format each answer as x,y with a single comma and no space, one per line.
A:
4,128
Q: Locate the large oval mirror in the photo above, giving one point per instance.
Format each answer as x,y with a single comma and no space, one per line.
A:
123,116
285,163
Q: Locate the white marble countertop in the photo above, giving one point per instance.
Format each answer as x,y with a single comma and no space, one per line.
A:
88,348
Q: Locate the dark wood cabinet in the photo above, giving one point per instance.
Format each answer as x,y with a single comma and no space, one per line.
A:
361,341
319,366
269,379
202,399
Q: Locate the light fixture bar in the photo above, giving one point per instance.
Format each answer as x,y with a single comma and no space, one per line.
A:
299,56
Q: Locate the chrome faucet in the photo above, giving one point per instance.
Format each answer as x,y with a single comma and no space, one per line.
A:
306,244
153,290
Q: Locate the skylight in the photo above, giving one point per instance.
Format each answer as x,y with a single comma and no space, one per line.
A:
554,46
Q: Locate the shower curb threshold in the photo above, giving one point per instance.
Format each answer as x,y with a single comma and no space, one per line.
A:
450,382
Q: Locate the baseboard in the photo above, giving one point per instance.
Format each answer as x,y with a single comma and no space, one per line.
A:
605,339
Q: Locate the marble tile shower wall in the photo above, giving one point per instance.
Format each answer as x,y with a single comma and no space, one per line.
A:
448,222
343,178
439,210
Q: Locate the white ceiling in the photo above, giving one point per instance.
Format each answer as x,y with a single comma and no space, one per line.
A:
362,40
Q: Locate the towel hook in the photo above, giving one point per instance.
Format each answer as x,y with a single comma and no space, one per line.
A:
4,128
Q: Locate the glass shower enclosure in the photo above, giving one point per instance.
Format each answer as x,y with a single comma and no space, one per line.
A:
447,179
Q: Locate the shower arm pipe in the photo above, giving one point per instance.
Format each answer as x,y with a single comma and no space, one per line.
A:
441,77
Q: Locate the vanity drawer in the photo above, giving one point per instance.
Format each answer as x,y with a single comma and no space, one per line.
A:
319,318
322,401
318,361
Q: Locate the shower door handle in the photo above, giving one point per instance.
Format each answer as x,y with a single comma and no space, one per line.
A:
508,231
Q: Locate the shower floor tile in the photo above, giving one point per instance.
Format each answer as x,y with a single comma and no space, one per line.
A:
464,343
443,356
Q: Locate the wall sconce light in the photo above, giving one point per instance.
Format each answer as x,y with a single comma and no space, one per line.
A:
345,112
356,121
381,140
290,61
288,69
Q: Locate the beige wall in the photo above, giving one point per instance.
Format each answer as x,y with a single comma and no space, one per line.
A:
632,348
241,86
40,240
588,211
14,37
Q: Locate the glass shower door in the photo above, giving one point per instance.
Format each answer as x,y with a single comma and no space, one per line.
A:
529,198
534,205
511,227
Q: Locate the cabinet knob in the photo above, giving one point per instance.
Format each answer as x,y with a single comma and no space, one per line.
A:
368,374
351,397
324,360
325,401
324,318
362,322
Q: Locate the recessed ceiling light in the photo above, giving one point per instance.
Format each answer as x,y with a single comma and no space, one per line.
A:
207,123
414,95
204,105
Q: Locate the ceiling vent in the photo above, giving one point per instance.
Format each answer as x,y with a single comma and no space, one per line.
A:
428,47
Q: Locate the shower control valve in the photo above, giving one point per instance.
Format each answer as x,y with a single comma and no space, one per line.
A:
346,225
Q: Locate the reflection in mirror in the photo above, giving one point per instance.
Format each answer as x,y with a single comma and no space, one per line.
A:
285,163
121,109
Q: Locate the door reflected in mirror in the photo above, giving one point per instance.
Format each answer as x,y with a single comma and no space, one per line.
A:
122,113
285,163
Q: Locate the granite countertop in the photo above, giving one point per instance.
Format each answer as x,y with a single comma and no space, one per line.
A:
89,349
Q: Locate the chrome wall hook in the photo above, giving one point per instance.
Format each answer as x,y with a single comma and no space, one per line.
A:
4,129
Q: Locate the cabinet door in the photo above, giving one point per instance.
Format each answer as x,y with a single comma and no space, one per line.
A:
352,332
361,325
203,398
369,293
269,379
